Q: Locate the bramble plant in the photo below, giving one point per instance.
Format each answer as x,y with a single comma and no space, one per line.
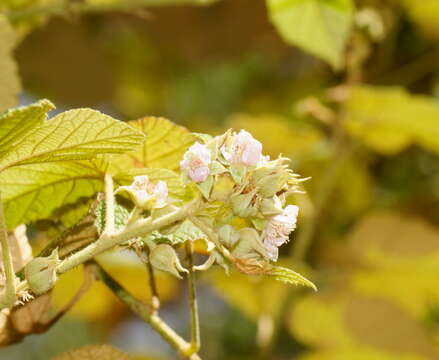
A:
82,164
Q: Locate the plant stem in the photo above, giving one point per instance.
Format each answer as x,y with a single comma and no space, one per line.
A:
106,242
144,257
142,310
140,228
8,267
109,205
155,299
195,323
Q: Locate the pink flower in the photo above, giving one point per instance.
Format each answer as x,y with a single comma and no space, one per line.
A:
242,148
196,162
147,194
278,230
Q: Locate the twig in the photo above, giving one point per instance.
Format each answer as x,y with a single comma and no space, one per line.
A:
8,267
195,323
143,311
155,300
105,242
109,205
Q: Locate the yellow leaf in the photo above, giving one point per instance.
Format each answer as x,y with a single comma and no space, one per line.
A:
318,320
358,353
383,118
164,146
94,352
9,81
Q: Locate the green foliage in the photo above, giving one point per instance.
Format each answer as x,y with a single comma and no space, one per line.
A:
18,122
164,146
71,135
121,215
376,270
35,176
32,192
290,277
320,27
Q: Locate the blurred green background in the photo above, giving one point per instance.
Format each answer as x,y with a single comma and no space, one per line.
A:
360,117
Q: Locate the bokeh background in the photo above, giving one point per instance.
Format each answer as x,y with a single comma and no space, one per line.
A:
364,127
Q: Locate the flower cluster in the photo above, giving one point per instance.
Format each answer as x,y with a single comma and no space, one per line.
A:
241,185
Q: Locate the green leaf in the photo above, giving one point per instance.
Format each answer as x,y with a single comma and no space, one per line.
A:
75,134
179,234
121,215
164,146
34,191
388,119
17,123
9,80
320,27
290,277
94,352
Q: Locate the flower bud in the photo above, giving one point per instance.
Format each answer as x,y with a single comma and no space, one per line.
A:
245,205
40,273
196,161
223,187
250,245
205,187
163,257
271,206
271,177
228,236
238,173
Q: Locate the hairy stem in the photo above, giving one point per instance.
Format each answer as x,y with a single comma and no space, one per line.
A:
140,228
8,267
106,242
195,324
109,205
143,311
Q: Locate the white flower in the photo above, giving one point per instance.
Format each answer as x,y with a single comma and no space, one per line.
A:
146,194
242,148
278,230
196,162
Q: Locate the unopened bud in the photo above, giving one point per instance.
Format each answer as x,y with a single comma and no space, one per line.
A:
271,206
228,236
244,205
163,257
41,273
223,187
250,245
